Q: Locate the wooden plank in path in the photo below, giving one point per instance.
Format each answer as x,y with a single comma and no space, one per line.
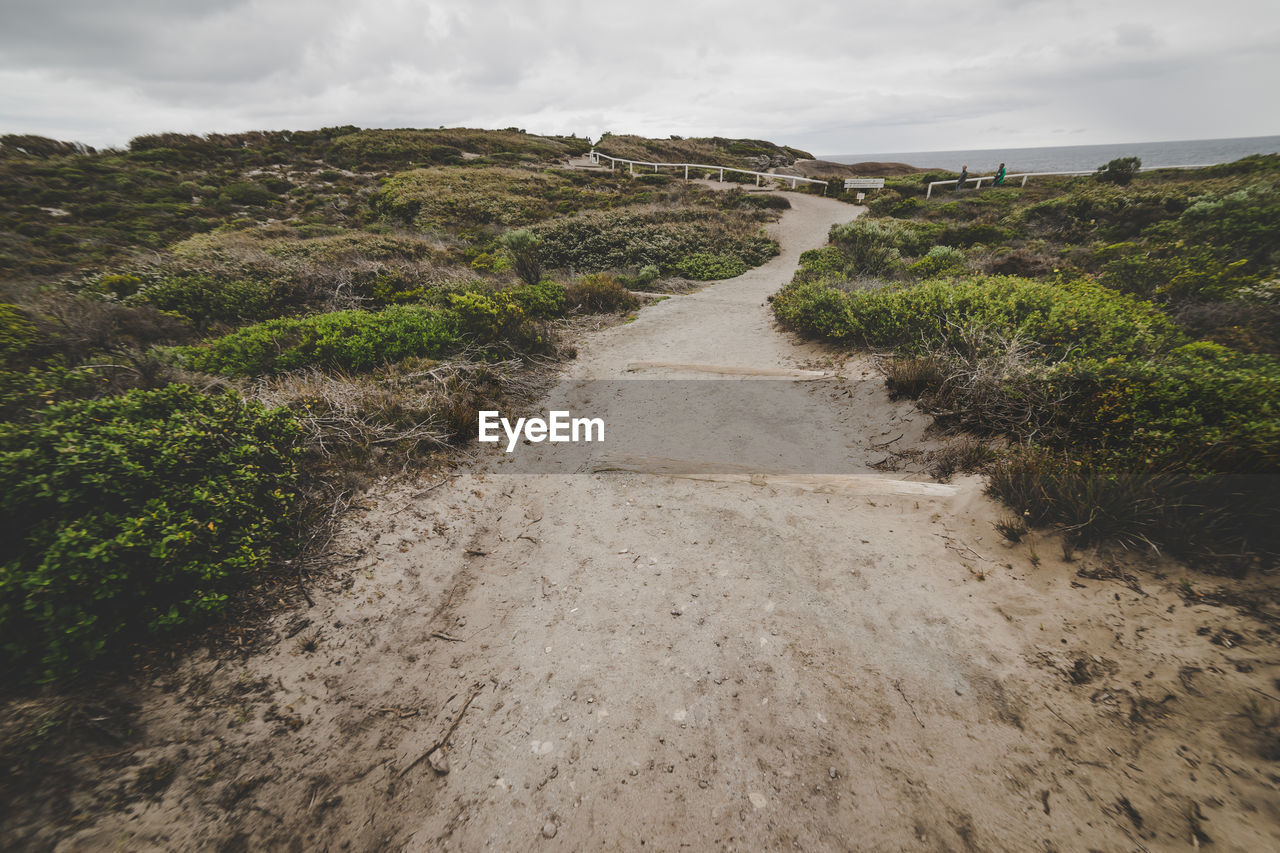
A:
727,370
831,484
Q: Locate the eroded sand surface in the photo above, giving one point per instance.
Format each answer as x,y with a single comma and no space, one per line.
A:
626,660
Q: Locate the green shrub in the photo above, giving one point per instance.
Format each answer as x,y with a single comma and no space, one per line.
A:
119,286
817,310
1119,171
247,192
543,300
206,300
876,246
939,260
1111,212
613,241
1242,222
522,246
758,201
485,318
353,340
1175,273
970,234
599,294
826,261
705,266
133,515
1198,408
465,195
17,333
1076,318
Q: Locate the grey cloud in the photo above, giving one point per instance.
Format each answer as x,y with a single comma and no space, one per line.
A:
911,74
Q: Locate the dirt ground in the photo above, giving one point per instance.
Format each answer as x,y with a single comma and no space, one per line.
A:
627,660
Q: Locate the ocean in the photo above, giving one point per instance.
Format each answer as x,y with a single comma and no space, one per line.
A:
1075,158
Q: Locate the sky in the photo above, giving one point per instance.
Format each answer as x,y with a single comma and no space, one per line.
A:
829,77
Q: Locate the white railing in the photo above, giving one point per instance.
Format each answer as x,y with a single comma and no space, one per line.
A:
1024,175
597,156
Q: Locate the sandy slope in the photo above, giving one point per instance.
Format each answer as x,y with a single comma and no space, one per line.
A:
636,661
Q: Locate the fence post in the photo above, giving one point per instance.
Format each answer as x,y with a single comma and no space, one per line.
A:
722,176
686,172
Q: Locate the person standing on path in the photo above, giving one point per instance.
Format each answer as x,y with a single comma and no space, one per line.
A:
964,176
999,176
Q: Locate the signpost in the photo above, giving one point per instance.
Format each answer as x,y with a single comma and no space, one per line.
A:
864,183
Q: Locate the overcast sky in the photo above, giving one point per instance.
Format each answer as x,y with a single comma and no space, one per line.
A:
833,77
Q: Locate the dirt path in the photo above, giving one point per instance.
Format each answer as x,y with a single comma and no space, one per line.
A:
628,660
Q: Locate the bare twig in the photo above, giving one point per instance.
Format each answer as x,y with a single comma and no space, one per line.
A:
1060,717
897,685
448,734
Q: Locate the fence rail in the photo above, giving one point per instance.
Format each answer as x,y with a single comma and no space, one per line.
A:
1024,175
597,156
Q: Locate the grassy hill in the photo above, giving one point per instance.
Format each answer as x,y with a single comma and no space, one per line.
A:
755,154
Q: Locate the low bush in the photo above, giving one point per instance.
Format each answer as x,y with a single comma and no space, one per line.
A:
363,340
913,376
1242,223
133,516
1199,408
758,201
523,248
876,246
599,294
1119,171
353,340
543,300
1223,518
705,266
938,261
484,317
662,238
17,333
647,275
963,236
247,192
1070,318
206,300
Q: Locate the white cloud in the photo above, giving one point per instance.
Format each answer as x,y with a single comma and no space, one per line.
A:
835,77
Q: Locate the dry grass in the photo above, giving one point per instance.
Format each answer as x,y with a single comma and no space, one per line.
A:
962,454
913,376
415,407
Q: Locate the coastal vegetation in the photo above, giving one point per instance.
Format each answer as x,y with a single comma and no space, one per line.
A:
1119,332
208,344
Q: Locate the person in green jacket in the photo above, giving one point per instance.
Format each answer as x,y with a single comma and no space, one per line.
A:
999,176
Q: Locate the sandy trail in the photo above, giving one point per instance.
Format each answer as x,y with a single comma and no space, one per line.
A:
624,660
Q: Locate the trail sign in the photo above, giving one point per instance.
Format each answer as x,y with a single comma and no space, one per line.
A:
864,183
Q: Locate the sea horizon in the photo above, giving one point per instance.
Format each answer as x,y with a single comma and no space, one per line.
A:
1069,158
